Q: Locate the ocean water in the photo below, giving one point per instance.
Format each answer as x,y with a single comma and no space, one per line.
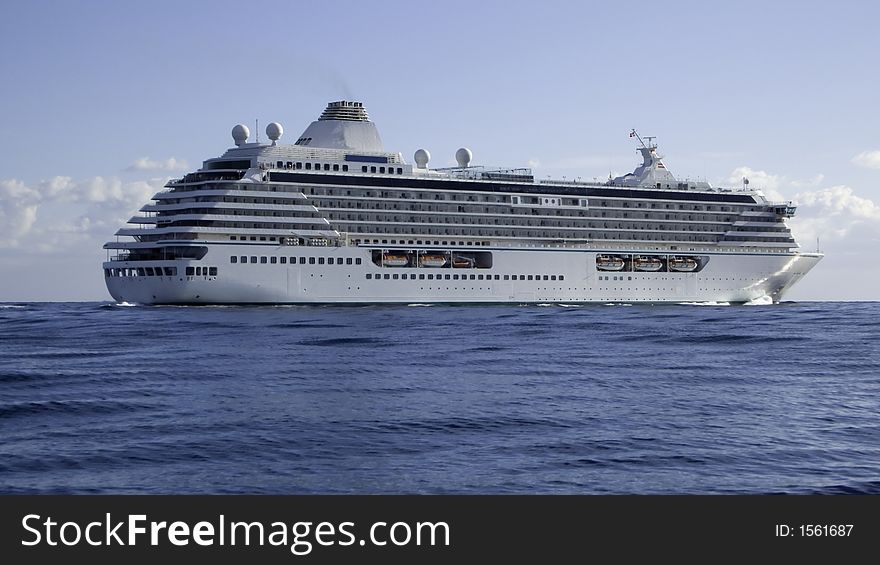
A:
106,398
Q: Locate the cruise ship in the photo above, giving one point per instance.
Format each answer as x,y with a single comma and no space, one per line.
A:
335,218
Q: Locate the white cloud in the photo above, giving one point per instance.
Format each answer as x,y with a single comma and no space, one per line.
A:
840,200
870,159
58,213
768,183
835,214
145,164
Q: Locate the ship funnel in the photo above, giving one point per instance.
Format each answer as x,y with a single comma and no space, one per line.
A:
343,125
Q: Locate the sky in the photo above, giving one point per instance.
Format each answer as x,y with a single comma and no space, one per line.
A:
103,102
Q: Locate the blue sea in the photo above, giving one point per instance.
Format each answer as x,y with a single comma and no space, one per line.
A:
108,398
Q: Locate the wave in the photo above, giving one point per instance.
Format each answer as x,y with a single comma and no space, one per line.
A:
11,306
420,305
710,303
760,301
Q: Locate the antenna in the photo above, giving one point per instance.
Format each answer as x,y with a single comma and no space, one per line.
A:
257,128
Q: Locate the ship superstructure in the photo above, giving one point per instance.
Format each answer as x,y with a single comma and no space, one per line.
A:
334,218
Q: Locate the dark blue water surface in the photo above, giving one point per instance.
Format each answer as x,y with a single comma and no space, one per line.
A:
102,398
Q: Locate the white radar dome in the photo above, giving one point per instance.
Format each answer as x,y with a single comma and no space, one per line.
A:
274,131
240,133
422,157
463,156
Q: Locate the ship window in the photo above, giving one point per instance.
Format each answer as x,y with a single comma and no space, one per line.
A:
369,276
562,277
330,261
387,276
289,165
212,271
364,169
299,165
253,259
447,277
399,171
233,259
308,166
479,277
317,166
263,260
335,167
348,261
273,260
311,260
106,272
232,237
372,169
283,260
243,259
345,168
381,169
431,277
280,164
326,166
552,277
546,277
149,271
473,277
320,260
506,277
253,238
190,271
302,260
171,271
357,261
497,277
421,277
530,277
455,277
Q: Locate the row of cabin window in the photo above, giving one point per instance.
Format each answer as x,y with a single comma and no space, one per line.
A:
253,238
537,231
308,166
382,170
201,271
293,260
145,272
467,277
432,196
419,242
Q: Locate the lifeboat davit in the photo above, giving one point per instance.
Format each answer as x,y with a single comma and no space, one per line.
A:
390,260
647,263
432,260
460,262
609,263
683,264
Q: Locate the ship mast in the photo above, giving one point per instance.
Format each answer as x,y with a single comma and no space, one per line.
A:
649,145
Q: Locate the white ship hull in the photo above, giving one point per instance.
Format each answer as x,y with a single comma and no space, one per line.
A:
516,275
